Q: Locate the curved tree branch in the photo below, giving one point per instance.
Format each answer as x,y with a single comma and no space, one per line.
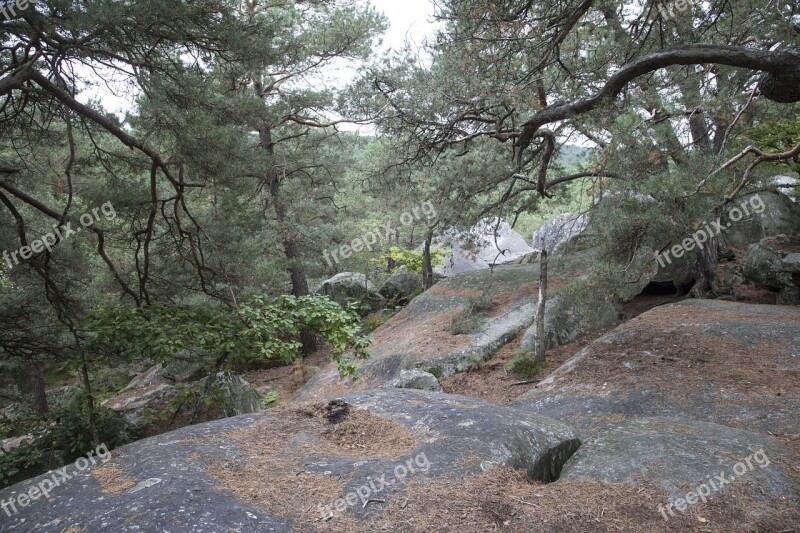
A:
781,82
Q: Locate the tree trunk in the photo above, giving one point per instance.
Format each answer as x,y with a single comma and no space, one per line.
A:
540,347
290,246
427,267
699,129
87,385
705,271
39,392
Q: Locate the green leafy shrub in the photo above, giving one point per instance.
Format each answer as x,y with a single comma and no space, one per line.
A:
261,329
269,400
412,260
63,436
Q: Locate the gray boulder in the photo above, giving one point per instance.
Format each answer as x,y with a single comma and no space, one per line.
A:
747,220
421,336
565,232
770,267
485,244
146,397
239,397
138,405
462,321
786,185
416,379
348,286
501,244
763,214
566,319
6,445
401,287
56,397
584,307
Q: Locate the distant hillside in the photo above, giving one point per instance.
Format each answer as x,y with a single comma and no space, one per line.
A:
572,155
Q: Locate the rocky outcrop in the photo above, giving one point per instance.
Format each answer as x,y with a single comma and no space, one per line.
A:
143,400
57,397
225,475
566,319
584,306
494,306
401,287
677,453
564,233
485,244
771,267
416,379
238,397
760,215
786,185
352,286
139,405
728,363
420,336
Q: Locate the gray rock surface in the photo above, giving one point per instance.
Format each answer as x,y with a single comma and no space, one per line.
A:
565,320
766,214
171,488
786,185
477,248
239,397
347,286
148,394
501,244
416,379
773,268
138,405
561,234
171,491
678,453
707,360
581,308
419,336
401,287
56,397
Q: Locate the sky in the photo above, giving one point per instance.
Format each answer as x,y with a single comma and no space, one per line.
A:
410,18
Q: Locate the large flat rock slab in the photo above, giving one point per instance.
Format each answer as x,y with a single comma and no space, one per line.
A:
315,467
681,455
722,362
155,484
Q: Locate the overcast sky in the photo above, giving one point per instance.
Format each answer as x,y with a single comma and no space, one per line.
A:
406,17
